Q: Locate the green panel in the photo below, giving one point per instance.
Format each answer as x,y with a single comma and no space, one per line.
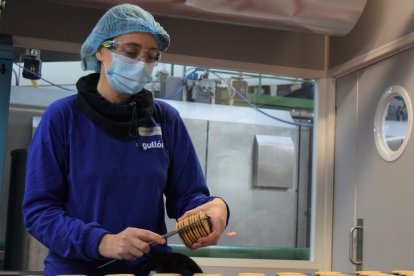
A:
265,101
272,253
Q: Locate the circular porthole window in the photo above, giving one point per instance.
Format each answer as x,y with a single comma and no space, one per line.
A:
393,123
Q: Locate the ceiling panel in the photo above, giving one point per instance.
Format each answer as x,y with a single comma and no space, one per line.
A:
331,17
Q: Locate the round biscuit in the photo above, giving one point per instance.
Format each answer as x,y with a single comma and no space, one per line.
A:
197,227
201,228
187,240
198,224
206,224
190,230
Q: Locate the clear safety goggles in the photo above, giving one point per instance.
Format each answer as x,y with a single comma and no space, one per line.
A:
133,51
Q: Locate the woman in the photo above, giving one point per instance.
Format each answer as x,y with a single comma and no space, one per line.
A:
101,161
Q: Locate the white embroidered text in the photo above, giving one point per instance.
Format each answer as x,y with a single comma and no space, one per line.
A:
154,144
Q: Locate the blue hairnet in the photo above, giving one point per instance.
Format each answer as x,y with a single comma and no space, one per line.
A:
119,20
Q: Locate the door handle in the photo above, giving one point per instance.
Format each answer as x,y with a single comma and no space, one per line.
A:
352,256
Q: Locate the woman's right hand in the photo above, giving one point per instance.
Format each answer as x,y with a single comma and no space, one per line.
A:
129,244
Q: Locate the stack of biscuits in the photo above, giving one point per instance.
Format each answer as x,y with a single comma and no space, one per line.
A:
201,227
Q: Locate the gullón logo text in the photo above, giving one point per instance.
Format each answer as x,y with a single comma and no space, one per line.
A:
154,144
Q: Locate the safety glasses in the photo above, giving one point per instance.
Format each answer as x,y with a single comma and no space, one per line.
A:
133,51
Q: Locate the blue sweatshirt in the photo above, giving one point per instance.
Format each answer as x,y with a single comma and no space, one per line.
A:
82,183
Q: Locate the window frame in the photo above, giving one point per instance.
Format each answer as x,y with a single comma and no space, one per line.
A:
322,197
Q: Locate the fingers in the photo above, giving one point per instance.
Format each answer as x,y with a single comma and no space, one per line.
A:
192,212
211,239
216,210
149,236
129,244
132,251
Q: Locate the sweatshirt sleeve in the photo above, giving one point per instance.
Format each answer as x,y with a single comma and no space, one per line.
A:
45,192
186,187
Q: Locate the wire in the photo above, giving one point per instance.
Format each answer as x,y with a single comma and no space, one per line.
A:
182,87
15,76
43,79
179,91
247,100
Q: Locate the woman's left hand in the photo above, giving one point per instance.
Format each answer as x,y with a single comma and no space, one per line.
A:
216,210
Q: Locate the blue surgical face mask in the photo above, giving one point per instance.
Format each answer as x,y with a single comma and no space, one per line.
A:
128,76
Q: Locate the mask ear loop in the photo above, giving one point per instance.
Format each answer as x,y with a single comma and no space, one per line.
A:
106,69
100,50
